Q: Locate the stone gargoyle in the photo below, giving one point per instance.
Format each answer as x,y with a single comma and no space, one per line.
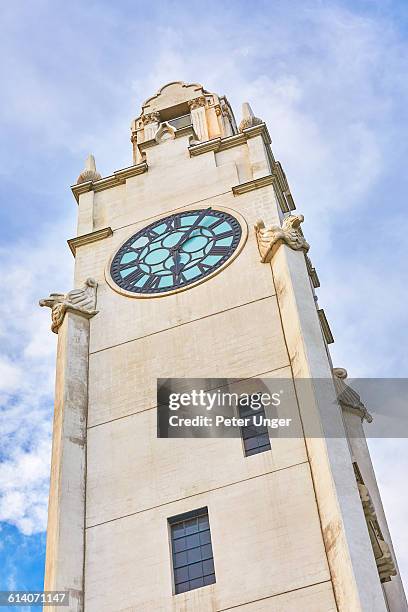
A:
81,301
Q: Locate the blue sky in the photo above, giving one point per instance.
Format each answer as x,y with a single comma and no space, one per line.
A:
329,78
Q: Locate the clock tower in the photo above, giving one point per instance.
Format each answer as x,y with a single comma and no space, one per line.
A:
192,263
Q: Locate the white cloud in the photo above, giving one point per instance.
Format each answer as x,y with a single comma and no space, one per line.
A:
10,375
27,374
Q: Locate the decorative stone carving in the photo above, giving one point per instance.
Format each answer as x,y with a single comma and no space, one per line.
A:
226,111
270,238
347,397
196,103
81,301
382,553
165,132
150,118
89,173
248,118
312,272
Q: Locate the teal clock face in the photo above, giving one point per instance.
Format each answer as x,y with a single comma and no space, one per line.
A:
176,252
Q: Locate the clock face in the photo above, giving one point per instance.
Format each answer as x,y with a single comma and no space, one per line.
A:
176,252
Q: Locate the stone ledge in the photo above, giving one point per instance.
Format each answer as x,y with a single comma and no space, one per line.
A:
222,144
78,241
117,178
263,181
277,178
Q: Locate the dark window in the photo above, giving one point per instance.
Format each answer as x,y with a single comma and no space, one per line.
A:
193,563
255,436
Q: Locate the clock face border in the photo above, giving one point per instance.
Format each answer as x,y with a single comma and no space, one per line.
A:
236,252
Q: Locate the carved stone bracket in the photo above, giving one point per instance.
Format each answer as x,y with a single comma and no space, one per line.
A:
80,301
249,122
270,238
165,132
312,272
197,103
225,111
150,118
347,397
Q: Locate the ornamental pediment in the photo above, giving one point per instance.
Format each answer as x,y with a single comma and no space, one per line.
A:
173,94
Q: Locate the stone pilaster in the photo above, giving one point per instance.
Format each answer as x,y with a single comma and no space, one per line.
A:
151,124
86,200
66,512
198,117
348,547
85,223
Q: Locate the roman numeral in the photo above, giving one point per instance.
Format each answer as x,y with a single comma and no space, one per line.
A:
129,264
219,250
227,234
133,277
152,282
214,225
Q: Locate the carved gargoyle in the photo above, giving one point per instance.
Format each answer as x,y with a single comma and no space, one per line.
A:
347,397
81,301
270,238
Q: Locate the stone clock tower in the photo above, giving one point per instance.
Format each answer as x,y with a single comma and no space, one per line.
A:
192,263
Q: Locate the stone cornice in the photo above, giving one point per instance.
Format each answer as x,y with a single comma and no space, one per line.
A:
117,178
283,190
222,144
78,241
277,178
204,147
325,326
263,181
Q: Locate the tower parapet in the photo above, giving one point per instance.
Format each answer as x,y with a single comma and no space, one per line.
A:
183,106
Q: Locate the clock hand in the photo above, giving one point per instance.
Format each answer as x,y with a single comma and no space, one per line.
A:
176,257
187,235
177,268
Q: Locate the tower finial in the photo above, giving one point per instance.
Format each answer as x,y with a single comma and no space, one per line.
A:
248,118
89,173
